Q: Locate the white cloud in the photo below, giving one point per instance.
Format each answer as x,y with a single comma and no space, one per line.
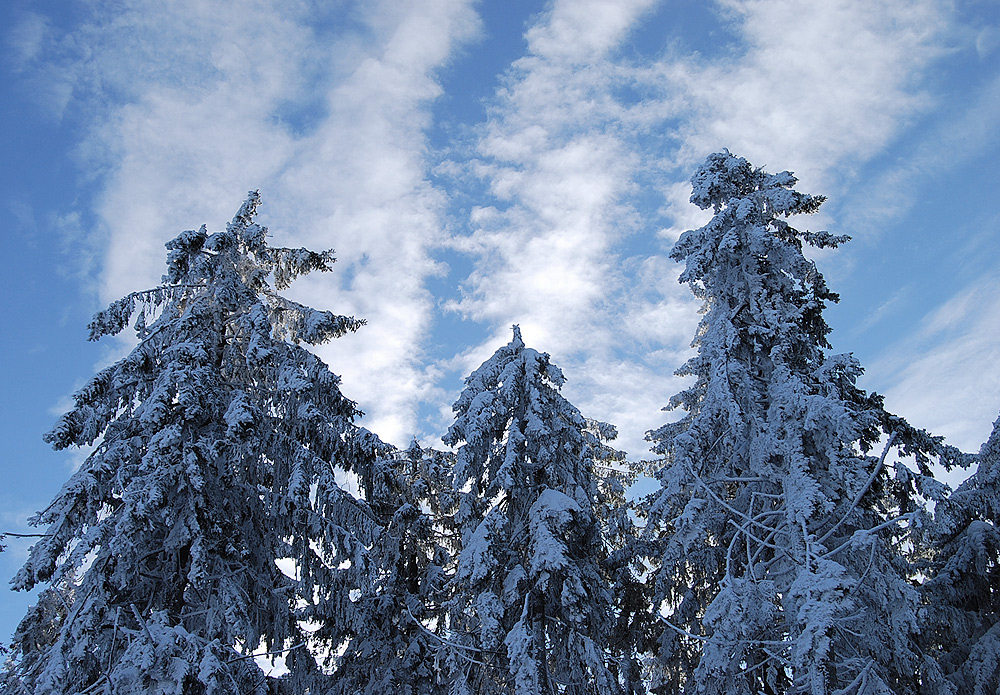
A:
577,32
362,180
945,375
556,155
25,39
819,87
197,103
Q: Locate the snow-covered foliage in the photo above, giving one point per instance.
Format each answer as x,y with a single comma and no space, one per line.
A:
217,442
633,626
962,623
396,644
779,536
532,608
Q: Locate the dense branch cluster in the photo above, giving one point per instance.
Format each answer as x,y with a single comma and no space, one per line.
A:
234,531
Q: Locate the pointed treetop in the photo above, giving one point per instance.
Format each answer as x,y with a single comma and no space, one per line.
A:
517,341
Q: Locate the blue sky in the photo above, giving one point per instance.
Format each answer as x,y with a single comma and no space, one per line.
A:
477,164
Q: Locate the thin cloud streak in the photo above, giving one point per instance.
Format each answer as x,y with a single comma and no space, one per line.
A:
945,375
362,181
547,253
965,131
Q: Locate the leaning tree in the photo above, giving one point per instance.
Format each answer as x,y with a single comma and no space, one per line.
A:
782,543
218,443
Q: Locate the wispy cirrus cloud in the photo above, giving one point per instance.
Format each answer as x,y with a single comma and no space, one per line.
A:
943,374
25,39
815,87
191,104
818,89
362,180
959,134
560,169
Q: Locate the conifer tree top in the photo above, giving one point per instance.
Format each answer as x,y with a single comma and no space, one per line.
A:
744,197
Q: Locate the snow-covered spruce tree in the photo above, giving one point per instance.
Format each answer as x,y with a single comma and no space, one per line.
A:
216,445
781,542
397,636
532,610
634,626
961,620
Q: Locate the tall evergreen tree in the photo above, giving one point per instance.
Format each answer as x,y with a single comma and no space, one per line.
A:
532,609
217,442
780,538
961,622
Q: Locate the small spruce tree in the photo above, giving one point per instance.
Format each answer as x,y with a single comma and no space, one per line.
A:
532,607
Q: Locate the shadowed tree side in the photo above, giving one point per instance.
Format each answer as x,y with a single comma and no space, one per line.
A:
633,625
961,617
397,638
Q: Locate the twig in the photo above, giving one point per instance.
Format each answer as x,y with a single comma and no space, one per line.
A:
274,653
868,484
441,639
145,628
682,631
96,683
114,636
891,522
720,501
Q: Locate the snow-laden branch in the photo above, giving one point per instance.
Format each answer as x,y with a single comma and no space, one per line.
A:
682,631
722,502
274,653
864,489
867,532
449,643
